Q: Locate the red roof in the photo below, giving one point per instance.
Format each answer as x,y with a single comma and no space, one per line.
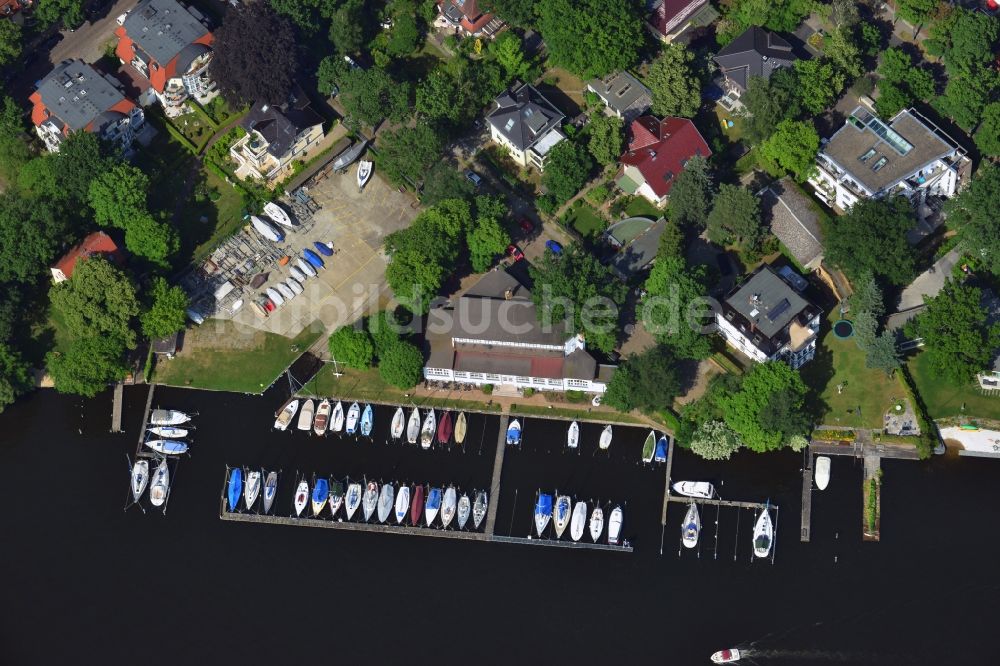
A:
473,18
162,72
671,13
98,243
659,149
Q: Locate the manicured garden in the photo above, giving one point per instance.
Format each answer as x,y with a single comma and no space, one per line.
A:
584,219
944,399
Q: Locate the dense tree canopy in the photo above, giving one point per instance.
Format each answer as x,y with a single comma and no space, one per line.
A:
487,239
254,55
768,409
99,300
902,82
793,147
406,154
350,26
591,37
988,135
735,218
767,103
70,12
520,13
566,170
369,95
31,233
443,181
509,52
10,44
777,15
118,194
15,377
974,213
715,440
648,381
352,346
691,195
966,95
916,11
165,309
605,138
872,236
675,85
819,83
81,157
401,365
87,365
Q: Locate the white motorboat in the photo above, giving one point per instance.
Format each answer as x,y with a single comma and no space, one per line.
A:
301,497
286,291
763,533
427,432
275,296
169,432
306,415
402,504
596,523
822,472
691,527
297,274
286,414
730,656
615,526
167,417
561,514
398,423
322,419
251,488
449,506
413,426
353,414
573,435
365,168
278,214
579,521
167,447
305,267
353,499
270,490
140,478
294,285
701,489
464,509
386,500
337,418
160,485
479,508
266,230
605,442
370,500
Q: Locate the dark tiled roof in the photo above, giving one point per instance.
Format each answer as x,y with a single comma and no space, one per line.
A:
638,253
163,28
77,95
280,125
756,52
793,220
524,116
764,307
623,92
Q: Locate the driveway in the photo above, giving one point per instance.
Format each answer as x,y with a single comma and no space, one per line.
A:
87,42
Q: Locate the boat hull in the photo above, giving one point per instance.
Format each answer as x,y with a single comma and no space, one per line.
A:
700,489
596,524
140,478
579,521
402,504
691,527
822,472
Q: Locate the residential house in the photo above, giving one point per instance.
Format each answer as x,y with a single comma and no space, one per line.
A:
668,20
794,220
908,156
169,45
636,240
989,379
468,17
656,155
757,52
767,318
74,97
493,334
526,124
623,95
96,244
276,135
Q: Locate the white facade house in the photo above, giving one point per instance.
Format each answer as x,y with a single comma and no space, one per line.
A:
492,335
868,158
275,137
767,319
526,124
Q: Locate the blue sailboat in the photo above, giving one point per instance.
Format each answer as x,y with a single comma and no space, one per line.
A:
514,433
367,419
321,491
313,258
661,449
433,505
543,512
235,487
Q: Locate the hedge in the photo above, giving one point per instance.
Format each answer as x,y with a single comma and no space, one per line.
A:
927,440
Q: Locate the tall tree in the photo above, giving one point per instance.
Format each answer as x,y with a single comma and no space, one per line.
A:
152,240
165,310
691,195
443,181
974,213
591,37
566,170
916,11
605,138
99,300
350,26
509,52
369,95
118,194
902,82
819,83
793,147
81,157
971,39
254,55
520,13
10,41
777,15
673,310
673,82
843,50
487,240
988,135
767,410
406,154
966,94
69,12
15,378
648,381
715,440
767,103
404,36
31,232
401,365
871,236
440,97
352,346
735,218
87,365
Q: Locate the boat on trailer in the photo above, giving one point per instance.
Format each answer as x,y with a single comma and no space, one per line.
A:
266,229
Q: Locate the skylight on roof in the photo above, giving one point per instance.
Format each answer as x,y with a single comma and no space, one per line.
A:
509,125
890,136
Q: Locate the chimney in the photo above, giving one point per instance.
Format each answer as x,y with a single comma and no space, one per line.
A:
508,294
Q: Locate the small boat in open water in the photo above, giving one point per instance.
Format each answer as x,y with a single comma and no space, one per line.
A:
596,523
322,419
270,490
691,527
140,478
413,426
301,497
321,493
448,506
701,489
386,500
432,506
573,435
615,526
235,487
479,508
730,656
353,414
543,512
337,418
370,500
336,497
402,504
278,214
427,432
660,455
464,509
514,433
251,488
822,472
285,415
367,421
306,415
167,417
605,441
444,429
763,533
561,514
398,423
648,446
461,425
167,447
353,500
160,485
579,521
416,505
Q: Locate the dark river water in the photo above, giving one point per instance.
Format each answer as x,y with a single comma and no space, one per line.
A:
86,582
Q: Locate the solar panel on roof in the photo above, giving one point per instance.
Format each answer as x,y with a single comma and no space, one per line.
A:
778,309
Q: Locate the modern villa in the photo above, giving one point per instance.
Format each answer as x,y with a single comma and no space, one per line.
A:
526,124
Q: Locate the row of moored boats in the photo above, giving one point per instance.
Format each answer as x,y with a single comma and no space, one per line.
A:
763,533
560,511
165,427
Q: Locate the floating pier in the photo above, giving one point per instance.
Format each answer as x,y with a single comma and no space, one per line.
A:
116,407
141,451
491,510
807,486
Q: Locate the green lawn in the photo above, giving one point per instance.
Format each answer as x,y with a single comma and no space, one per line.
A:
842,362
246,367
585,219
641,207
944,399
734,133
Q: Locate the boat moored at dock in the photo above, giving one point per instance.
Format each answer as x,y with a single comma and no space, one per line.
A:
353,499
479,508
615,526
353,414
543,512
160,486
444,428
336,497
320,494
448,506
514,433
402,503
573,435
301,497
763,533
251,488
306,416
822,472
461,425
464,509
370,500
417,505
167,417
169,432
606,435
322,419
270,490
337,418
140,478
700,489
413,426
367,421
561,514
579,521
285,415
398,423
596,524
691,527
662,444
386,500
427,432
167,447
648,446
432,506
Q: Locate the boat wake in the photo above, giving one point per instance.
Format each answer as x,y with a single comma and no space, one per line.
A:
757,656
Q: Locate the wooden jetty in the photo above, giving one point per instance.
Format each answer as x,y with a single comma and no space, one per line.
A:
141,451
116,407
491,510
807,476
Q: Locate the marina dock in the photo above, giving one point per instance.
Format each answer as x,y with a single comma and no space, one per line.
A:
140,450
807,472
491,510
116,407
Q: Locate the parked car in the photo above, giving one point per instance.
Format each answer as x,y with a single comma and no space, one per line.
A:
515,252
553,247
474,178
527,226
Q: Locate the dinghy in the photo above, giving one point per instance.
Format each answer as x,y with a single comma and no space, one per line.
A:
822,472
140,478
449,506
314,259
251,489
573,435
427,432
286,292
286,414
337,418
648,446
561,514
370,500
160,485
691,527
615,526
306,415
353,500
292,285
543,512
730,656
275,296
398,423
266,230
367,421
305,267
169,432
321,493
326,249
336,497
605,441
416,505
402,504
460,427
763,533
168,447
579,521
270,490
596,523
702,489
322,419
479,508
364,172
278,214
464,509
297,274
444,428
167,417
413,426
660,455
514,433
346,158
432,506
301,497
353,414
386,499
